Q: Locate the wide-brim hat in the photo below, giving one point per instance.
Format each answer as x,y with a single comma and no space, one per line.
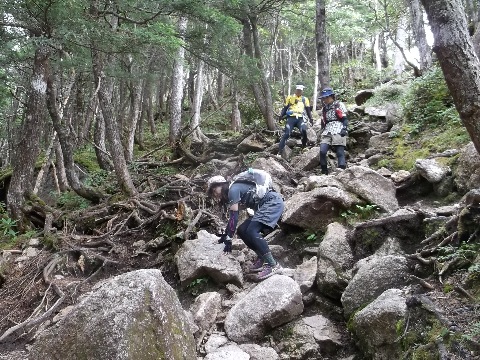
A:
326,93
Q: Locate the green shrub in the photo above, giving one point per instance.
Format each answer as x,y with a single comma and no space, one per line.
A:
71,201
428,101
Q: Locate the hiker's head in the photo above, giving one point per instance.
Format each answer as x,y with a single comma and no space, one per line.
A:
327,95
299,89
215,186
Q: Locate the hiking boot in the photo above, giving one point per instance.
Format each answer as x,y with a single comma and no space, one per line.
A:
257,266
268,270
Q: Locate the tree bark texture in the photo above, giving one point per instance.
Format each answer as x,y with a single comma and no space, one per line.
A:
65,137
460,64
322,45
418,28
177,85
104,93
27,147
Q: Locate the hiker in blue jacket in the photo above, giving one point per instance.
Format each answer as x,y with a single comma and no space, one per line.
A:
334,129
239,195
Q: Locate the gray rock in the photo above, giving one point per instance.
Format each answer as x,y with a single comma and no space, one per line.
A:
251,144
273,302
467,173
136,315
228,352
376,325
205,310
305,274
258,352
204,256
431,170
371,280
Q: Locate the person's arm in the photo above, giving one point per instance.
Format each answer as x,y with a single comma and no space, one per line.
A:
308,110
232,221
342,116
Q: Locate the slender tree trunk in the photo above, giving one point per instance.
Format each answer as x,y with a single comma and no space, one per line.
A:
61,174
64,136
220,85
460,64
177,85
197,134
130,124
418,28
261,91
104,93
28,144
101,153
399,60
322,45
236,119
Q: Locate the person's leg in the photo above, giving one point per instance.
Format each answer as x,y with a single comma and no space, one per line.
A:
340,151
303,131
323,157
254,239
286,134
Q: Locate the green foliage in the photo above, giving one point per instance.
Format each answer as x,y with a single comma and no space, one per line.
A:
466,251
447,287
197,285
251,114
386,93
360,213
473,332
8,229
69,200
428,102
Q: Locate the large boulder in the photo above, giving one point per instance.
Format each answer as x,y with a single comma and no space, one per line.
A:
335,259
431,170
317,208
373,278
136,315
308,160
251,143
273,302
375,326
204,256
370,186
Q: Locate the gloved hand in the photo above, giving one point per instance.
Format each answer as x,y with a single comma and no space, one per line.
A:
227,249
222,239
340,114
289,112
343,132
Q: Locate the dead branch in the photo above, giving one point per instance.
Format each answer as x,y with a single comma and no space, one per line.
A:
192,224
422,282
464,292
32,322
421,259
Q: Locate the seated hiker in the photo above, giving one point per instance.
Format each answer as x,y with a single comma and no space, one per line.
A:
250,189
334,129
296,111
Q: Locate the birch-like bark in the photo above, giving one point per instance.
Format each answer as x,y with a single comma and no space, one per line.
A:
177,85
322,46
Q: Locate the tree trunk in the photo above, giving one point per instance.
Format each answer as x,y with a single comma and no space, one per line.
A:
197,134
61,174
261,91
130,124
101,153
416,13
177,88
399,60
104,94
28,144
322,45
236,120
220,85
457,58
65,138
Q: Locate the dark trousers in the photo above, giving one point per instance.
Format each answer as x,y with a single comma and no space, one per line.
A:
291,123
339,150
249,232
